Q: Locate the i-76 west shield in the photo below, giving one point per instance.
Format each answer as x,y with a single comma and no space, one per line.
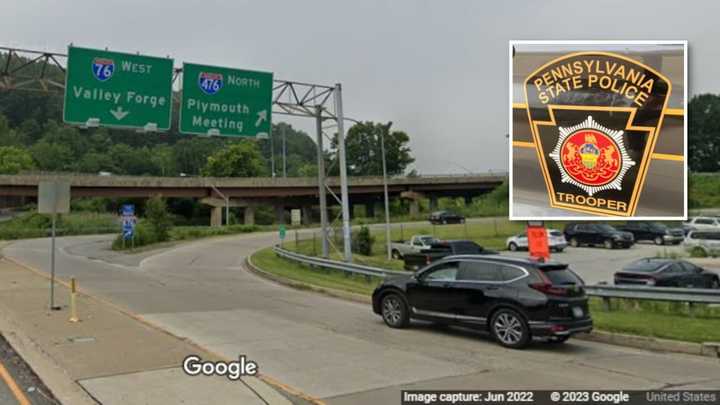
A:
594,118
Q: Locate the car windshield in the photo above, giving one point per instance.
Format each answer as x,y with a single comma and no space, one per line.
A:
466,247
645,265
427,240
556,233
605,228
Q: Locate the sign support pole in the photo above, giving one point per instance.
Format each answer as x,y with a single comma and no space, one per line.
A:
343,174
52,264
321,183
385,191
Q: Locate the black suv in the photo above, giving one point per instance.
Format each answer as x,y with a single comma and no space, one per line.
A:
597,234
514,299
667,273
446,217
654,231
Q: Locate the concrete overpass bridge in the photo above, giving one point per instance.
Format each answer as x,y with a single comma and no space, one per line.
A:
249,193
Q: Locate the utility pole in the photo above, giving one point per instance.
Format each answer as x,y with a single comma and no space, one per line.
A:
272,155
321,184
343,174
385,187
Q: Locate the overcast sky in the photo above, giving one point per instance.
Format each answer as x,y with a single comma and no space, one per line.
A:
437,69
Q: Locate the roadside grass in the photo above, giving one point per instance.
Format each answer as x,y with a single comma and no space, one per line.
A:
675,321
268,261
146,240
666,320
34,225
490,233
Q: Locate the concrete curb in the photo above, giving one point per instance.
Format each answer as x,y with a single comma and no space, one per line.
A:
64,388
708,349
345,295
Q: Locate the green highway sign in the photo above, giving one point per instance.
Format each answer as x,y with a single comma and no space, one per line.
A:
227,102
282,231
114,89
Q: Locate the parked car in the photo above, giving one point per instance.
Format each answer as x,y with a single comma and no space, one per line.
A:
446,217
701,224
666,273
417,243
657,232
437,251
513,299
702,243
597,234
556,241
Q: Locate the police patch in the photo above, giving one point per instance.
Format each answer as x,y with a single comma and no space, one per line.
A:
210,83
594,118
103,68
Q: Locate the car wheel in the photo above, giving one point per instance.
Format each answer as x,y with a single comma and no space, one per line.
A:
659,240
510,329
608,243
574,242
396,255
715,284
513,247
559,339
444,221
394,311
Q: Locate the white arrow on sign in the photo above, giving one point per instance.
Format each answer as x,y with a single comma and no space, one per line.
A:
118,113
262,116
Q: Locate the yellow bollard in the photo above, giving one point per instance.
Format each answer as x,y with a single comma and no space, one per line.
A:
73,302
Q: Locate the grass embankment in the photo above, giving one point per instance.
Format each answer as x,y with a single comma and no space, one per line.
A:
146,238
34,225
675,321
490,233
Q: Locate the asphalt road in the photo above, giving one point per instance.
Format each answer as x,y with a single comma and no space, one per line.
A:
340,351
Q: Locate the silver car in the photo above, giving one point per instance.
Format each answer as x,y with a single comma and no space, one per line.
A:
702,243
556,241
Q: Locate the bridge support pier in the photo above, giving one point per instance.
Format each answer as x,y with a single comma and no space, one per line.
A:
280,214
414,208
249,215
216,216
306,214
433,203
414,198
370,209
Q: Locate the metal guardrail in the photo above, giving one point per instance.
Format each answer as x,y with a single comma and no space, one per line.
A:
337,265
693,295
690,295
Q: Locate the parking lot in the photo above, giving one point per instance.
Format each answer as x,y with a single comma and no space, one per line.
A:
596,264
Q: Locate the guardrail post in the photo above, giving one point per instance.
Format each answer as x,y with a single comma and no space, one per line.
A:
606,304
314,246
297,245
